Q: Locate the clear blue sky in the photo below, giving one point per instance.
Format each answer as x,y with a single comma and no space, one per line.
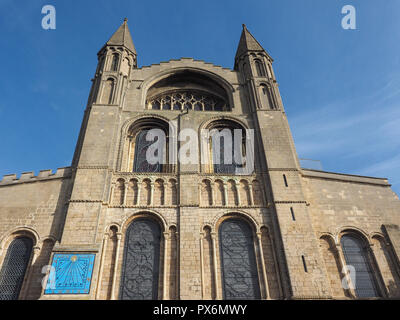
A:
340,88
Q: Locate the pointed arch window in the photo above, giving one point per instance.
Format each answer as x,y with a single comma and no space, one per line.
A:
266,97
140,269
14,267
238,261
356,255
260,68
114,62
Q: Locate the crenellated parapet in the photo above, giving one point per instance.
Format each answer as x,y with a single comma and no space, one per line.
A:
30,176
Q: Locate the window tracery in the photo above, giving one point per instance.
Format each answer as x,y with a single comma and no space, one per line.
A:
188,99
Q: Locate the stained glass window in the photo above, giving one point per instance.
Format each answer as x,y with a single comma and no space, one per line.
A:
140,162
355,255
140,270
14,268
238,261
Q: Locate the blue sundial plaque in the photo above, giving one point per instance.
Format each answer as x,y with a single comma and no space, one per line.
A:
70,274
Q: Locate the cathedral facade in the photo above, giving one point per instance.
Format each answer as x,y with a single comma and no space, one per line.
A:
114,226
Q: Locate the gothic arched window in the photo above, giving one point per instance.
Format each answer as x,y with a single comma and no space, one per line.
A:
266,97
114,62
238,261
260,68
140,161
13,271
140,268
356,255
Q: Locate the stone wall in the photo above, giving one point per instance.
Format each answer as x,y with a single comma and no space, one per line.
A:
35,207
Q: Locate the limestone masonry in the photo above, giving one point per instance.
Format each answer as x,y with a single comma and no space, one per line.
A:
116,227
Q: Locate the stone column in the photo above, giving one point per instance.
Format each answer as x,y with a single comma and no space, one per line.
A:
351,287
166,239
264,270
105,243
216,278
237,186
202,264
119,236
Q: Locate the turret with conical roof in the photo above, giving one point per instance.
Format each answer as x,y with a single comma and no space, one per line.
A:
255,66
247,44
122,37
115,61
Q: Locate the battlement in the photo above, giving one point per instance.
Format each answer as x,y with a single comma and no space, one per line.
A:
183,59
30,176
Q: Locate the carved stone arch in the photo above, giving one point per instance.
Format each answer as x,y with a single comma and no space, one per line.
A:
144,213
239,214
333,265
129,123
387,265
232,193
108,90
208,123
18,253
224,121
206,225
20,231
129,131
206,192
259,66
239,258
379,235
111,225
356,231
119,192
267,98
244,192
159,191
152,80
144,239
357,252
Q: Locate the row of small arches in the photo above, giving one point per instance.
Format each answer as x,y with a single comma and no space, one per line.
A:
134,192
232,193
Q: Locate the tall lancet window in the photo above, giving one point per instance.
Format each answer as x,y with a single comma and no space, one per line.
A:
114,62
141,163
356,255
260,68
14,267
140,268
238,261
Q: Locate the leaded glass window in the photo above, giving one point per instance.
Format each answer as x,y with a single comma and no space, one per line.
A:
226,163
189,99
140,269
238,261
14,267
140,162
355,255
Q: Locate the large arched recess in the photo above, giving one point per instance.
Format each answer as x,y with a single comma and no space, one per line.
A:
187,78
